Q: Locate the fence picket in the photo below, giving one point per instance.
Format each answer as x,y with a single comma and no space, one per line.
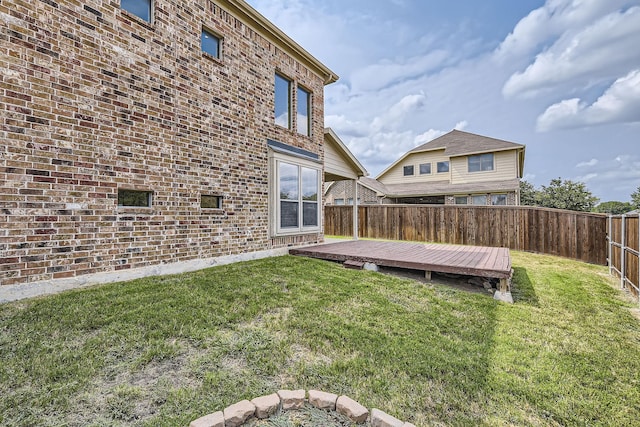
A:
577,235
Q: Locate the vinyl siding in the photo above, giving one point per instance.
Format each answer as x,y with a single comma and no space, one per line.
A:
335,164
505,166
395,175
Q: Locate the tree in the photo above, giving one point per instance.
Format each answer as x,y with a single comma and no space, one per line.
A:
566,194
613,207
528,194
635,198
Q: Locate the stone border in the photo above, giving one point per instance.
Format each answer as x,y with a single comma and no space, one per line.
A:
285,400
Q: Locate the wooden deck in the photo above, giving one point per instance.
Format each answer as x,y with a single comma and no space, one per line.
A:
456,259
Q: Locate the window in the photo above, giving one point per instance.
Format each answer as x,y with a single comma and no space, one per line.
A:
283,102
140,8
210,202
210,44
425,168
499,199
481,162
443,167
134,198
339,201
461,200
304,112
407,170
480,200
298,190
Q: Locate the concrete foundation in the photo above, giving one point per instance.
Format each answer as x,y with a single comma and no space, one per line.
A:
503,296
47,287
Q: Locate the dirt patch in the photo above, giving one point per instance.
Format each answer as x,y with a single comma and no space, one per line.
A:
460,282
307,416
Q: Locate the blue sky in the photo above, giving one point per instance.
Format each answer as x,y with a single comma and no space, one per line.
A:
561,76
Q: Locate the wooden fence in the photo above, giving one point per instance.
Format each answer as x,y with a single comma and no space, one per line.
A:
577,235
624,251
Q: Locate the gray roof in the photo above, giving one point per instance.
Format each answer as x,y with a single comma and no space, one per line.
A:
373,184
441,188
459,143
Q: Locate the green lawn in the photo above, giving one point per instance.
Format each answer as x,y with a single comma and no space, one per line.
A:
167,350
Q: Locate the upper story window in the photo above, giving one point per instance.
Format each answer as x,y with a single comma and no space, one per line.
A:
140,8
443,167
461,200
407,170
481,162
425,168
304,112
210,43
283,101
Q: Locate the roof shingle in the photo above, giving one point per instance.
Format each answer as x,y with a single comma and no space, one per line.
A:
459,143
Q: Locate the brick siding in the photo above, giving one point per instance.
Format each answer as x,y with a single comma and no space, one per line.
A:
344,190
95,99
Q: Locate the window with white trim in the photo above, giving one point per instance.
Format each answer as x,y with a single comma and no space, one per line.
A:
425,168
499,199
297,195
480,162
443,167
461,200
480,200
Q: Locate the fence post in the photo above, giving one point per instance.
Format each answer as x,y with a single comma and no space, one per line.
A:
610,244
623,250
355,209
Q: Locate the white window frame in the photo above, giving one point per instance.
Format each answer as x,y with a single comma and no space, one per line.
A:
475,197
444,162
481,163
495,198
459,198
274,185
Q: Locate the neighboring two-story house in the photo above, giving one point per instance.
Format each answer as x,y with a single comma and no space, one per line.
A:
139,134
457,168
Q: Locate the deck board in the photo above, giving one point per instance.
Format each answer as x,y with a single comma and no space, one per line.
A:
480,261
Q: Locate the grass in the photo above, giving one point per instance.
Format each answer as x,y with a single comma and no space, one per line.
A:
163,351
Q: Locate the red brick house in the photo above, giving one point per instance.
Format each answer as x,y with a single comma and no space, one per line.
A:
152,136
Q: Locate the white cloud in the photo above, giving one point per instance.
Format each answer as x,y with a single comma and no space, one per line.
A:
388,71
586,178
591,162
427,136
461,125
605,49
619,104
554,18
620,174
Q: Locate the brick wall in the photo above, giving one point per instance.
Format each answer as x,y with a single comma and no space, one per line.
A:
95,99
344,190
